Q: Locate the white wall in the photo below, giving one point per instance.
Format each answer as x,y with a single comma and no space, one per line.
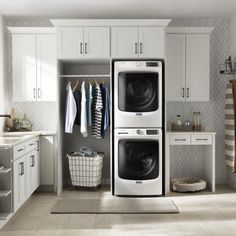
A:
233,37
3,88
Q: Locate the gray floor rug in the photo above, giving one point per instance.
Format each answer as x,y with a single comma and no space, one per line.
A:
115,206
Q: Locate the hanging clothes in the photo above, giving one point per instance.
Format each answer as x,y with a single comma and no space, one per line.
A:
71,109
90,99
97,111
83,126
77,96
105,109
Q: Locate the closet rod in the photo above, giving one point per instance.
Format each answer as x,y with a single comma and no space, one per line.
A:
84,76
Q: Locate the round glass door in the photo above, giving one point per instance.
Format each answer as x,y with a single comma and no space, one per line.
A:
138,160
138,92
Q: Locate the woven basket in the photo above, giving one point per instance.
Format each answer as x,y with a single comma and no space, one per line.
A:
85,171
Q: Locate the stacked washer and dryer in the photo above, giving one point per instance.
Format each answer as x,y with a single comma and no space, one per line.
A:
138,128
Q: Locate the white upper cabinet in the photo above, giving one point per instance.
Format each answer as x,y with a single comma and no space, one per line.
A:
187,64
24,67
33,65
197,67
124,42
133,42
96,42
175,67
83,42
70,42
46,67
151,42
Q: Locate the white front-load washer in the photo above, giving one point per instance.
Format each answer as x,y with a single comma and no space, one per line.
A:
138,162
138,91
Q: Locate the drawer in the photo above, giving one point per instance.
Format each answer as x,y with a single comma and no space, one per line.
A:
30,145
201,139
180,139
19,150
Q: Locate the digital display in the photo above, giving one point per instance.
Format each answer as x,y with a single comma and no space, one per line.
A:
151,131
152,64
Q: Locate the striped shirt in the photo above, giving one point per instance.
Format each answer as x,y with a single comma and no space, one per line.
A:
97,111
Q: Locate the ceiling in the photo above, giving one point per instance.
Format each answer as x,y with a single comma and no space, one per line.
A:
118,8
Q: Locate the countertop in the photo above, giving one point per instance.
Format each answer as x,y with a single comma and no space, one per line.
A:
10,139
191,132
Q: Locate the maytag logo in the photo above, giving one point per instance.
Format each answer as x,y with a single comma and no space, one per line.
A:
139,113
139,182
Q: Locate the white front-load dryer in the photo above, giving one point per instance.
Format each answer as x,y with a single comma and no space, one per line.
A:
138,162
138,93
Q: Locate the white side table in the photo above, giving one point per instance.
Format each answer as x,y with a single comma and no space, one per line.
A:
204,139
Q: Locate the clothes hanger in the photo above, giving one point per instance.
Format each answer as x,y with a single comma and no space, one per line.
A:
76,85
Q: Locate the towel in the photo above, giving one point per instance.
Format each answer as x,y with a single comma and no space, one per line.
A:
230,108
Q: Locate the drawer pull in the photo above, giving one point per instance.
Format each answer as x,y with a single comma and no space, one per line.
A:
201,139
19,150
180,139
31,144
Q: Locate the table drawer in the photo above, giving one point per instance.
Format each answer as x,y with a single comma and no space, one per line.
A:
201,139
180,139
19,150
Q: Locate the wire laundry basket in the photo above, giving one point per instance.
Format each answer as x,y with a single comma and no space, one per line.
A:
85,171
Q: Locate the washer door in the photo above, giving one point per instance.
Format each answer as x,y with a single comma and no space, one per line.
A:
138,159
138,91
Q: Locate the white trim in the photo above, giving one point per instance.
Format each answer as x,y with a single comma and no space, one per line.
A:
110,22
189,30
32,30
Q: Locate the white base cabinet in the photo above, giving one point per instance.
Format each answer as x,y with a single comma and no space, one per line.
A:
25,171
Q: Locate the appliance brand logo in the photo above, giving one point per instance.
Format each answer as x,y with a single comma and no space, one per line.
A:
139,182
139,113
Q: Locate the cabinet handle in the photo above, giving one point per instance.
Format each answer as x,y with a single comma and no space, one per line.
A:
32,161
187,92
201,139
35,92
81,48
31,144
21,164
37,145
19,150
180,139
140,48
39,93
136,48
183,92
85,48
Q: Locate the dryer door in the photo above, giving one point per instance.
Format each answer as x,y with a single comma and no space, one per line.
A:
138,91
138,159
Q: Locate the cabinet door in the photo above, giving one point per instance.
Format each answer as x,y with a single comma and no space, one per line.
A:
70,43
19,182
24,67
124,42
175,67
197,67
46,67
151,42
96,42
31,172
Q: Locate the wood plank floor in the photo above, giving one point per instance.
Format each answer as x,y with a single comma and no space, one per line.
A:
200,214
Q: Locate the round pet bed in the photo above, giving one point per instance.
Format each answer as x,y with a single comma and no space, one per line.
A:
190,184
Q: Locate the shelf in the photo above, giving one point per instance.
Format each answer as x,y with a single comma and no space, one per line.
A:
5,215
85,76
5,170
4,193
228,73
